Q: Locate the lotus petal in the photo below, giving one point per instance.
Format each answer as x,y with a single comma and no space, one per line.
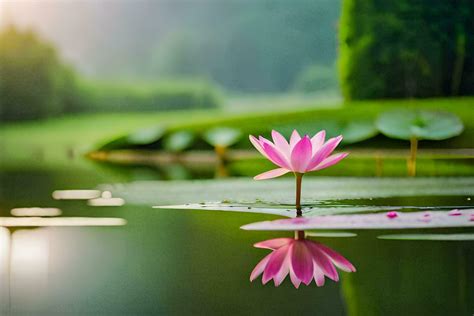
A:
301,155
294,139
341,262
281,143
272,174
275,263
273,243
318,140
324,152
276,156
301,262
329,161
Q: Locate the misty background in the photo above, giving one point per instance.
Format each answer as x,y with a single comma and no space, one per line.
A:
242,46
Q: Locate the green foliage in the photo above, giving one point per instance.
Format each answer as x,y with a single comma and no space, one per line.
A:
317,78
354,120
142,137
420,124
222,136
170,95
273,197
402,48
33,81
354,130
146,135
178,141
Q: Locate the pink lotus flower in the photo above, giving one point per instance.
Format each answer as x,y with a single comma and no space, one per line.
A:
300,155
302,259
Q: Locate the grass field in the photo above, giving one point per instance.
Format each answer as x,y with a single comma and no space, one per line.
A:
53,141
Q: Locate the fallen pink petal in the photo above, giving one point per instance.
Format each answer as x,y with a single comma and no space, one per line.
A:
392,214
455,212
302,259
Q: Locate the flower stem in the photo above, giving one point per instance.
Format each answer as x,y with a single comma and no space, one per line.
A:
412,160
299,178
299,234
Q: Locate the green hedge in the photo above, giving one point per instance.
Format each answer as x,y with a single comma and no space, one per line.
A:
172,95
406,48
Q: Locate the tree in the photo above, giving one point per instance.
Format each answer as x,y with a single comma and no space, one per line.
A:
405,48
33,81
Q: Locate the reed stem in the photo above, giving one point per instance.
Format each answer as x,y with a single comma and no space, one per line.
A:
412,159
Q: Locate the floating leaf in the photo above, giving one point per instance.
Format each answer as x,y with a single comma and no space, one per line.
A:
116,143
433,237
317,191
330,234
178,141
227,207
274,209
353,131
357,131
421,124
222,136
144,136
438,219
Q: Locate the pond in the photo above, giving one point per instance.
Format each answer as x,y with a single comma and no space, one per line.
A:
144,260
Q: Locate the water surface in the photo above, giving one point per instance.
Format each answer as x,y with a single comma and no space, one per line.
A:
173,262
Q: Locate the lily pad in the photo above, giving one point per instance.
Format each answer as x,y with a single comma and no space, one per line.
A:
432,237
143,136
222,136
280,192
357,131
438,219
421,124
276,209
146,136
330,234
178,141
227,207
353,131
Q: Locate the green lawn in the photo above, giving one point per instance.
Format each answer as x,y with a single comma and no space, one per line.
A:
55,139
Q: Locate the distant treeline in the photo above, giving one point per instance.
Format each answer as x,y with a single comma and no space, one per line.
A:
406,48
35,83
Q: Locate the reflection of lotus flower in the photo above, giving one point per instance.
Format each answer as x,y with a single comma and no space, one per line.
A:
300,155
301,258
